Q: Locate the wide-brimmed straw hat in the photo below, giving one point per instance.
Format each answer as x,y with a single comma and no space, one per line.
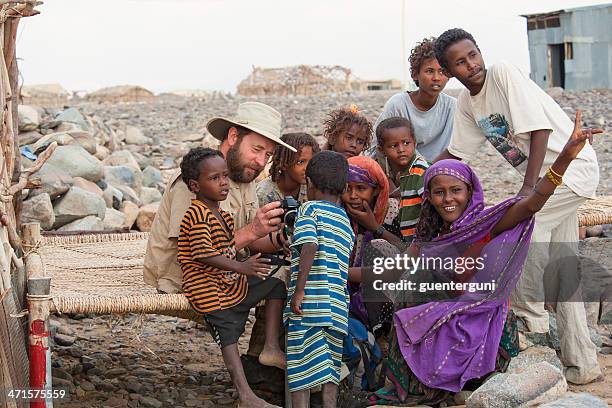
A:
255,116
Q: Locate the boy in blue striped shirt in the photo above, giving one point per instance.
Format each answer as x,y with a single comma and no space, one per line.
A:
317,313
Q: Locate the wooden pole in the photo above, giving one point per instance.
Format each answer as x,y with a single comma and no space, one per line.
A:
10,55
30,233
39,288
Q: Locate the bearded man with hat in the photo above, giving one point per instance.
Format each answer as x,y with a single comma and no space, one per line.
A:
248,141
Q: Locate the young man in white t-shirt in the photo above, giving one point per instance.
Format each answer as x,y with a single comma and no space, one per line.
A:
502,106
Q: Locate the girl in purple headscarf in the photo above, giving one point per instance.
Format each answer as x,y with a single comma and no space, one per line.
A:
437,347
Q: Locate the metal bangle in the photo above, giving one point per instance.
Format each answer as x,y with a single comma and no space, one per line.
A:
559,176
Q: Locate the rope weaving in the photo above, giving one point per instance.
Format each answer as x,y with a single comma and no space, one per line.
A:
596,212
102,274
156,303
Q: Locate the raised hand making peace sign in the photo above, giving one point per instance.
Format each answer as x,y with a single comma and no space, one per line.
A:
578,138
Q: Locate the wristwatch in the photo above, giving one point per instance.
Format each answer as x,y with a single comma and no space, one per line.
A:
378,232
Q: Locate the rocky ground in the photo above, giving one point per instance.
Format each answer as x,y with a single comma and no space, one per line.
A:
172,122
115,151
155,361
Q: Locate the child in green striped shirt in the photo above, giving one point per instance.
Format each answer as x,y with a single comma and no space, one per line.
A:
405,167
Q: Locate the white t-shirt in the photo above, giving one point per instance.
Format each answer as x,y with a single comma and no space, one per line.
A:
508,107
432,128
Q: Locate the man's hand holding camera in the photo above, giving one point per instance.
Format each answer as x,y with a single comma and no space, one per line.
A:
267,219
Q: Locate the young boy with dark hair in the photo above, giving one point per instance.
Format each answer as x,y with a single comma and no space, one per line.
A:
317,315
528,128
429,109
214,282
397,144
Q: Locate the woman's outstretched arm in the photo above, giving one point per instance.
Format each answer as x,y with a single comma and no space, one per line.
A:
545,188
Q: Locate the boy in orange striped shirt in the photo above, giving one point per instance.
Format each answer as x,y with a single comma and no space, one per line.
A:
215,283
406,167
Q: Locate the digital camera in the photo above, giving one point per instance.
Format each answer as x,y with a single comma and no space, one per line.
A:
290,206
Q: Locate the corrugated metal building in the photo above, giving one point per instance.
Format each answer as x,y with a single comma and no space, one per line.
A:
571,48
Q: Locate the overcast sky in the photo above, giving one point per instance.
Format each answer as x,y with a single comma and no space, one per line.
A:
212,44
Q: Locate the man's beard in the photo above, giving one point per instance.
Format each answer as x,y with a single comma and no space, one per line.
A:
237,169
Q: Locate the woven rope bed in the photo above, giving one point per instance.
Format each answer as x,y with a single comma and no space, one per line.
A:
103,273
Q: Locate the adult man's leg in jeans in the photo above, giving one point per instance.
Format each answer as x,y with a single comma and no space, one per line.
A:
555,235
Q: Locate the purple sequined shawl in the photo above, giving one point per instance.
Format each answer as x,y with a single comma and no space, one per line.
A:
447,343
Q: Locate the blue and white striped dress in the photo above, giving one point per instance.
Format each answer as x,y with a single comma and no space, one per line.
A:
314,347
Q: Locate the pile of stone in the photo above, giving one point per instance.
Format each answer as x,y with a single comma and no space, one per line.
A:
95,180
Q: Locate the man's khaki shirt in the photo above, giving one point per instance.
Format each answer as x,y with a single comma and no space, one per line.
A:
161,269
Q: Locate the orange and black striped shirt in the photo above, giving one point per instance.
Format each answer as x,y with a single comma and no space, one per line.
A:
203,236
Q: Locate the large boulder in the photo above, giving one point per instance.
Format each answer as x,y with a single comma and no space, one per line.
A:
150,195
66,127
54,181
134,135
39,209
62,139
536,385
72,115
90,186
78,203
143,161
102,152
152,177
606,307
146,215
89,223
84,139
114,219
129,195
27,138
122,158
75,161
112,197
531,356
29,119
123,176
131,213
582,400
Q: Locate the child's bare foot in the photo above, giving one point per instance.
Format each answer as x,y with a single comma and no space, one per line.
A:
255,402
273,357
